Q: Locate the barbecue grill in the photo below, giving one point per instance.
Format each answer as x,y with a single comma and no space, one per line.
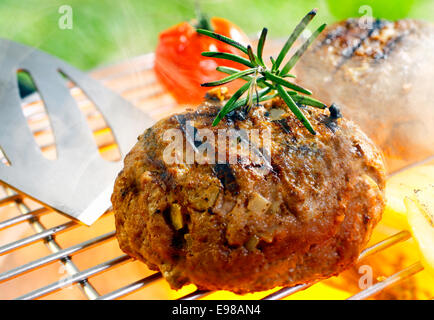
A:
43,254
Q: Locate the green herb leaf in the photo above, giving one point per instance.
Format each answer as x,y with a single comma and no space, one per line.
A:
294,59
308,101
232,77
294,108
262,94
227,107
273,63
228,56
222,38
288,75
261,81
272,77
261,43
202,19
294,35
229,70
251,55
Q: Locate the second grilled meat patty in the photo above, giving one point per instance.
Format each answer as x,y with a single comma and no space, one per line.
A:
381,77
238,228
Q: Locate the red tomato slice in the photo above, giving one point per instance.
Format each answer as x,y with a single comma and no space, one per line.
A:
181,68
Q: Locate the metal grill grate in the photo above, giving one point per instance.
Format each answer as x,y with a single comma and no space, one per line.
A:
133,79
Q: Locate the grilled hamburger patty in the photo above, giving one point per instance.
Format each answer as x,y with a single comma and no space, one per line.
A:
381,77
234,227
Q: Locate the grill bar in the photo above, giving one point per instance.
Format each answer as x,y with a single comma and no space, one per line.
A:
133,287
38,236
22,218
390,281
70,267
386,243
285,292
198,294
9,199
78,277
55,256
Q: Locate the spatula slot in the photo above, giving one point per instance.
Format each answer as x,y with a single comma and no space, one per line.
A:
102,133
36,115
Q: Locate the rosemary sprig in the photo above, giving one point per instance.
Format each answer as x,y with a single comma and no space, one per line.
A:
272,81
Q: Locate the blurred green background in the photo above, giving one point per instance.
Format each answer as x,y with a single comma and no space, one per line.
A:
106,31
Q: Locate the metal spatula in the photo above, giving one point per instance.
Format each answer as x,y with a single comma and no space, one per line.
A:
79,183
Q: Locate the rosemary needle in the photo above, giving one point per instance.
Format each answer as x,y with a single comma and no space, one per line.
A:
272,81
